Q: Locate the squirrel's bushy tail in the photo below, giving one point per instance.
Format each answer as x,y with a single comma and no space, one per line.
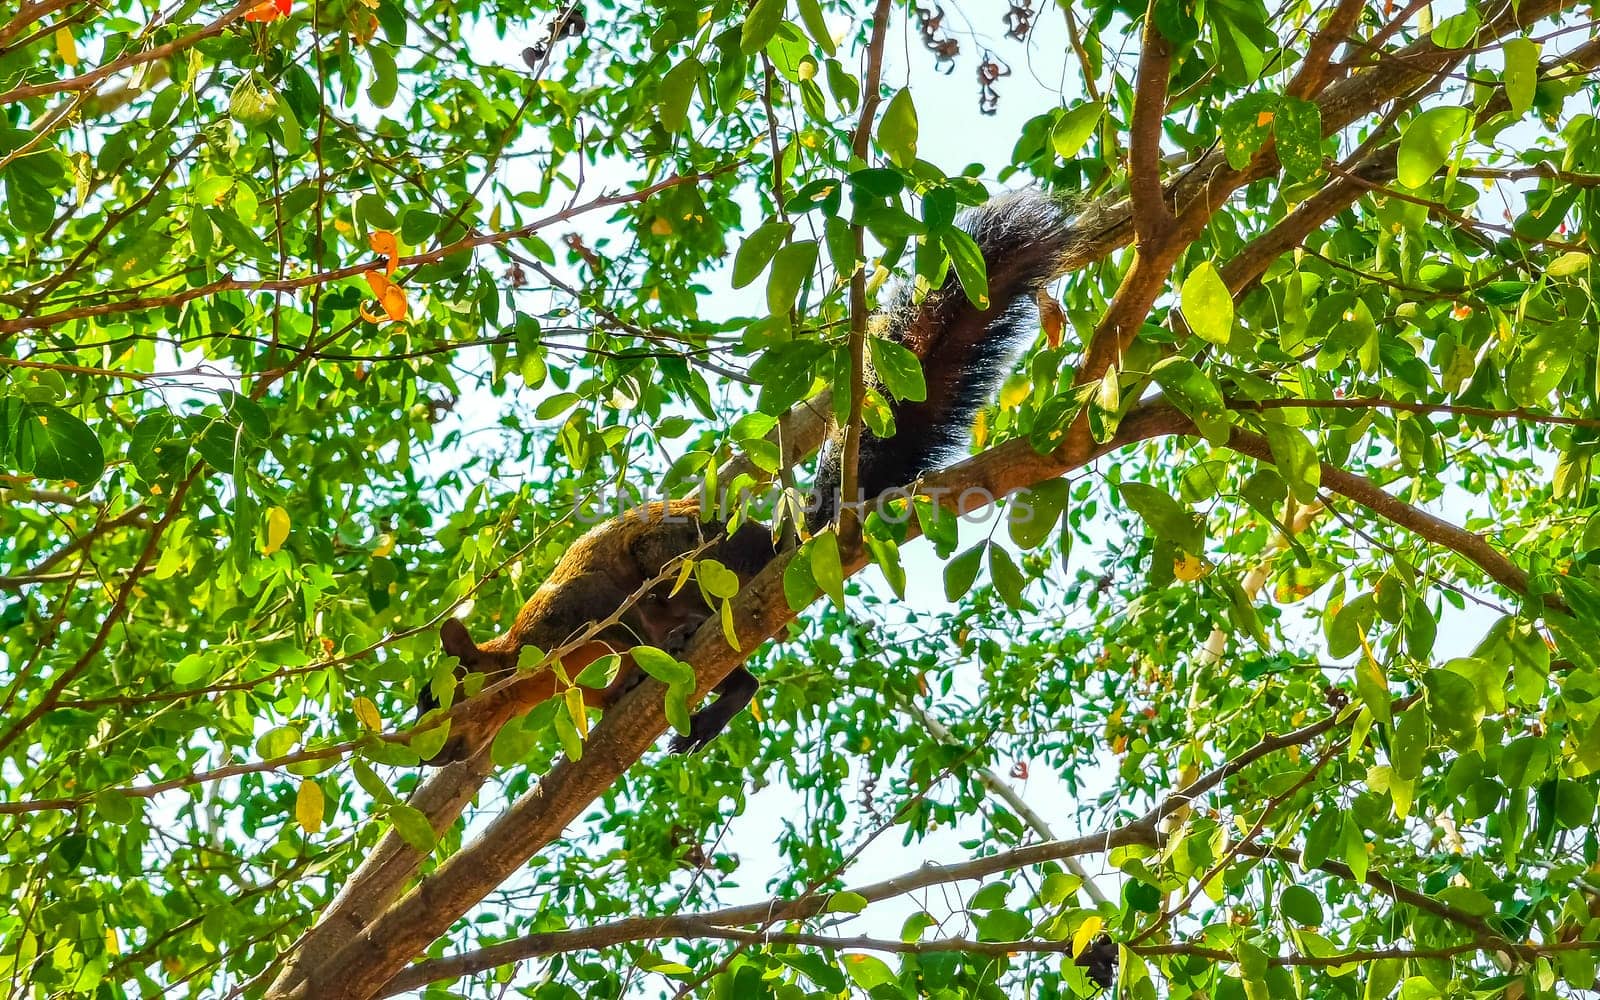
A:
1024,237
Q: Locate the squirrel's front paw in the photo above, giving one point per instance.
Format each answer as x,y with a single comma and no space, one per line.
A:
701,732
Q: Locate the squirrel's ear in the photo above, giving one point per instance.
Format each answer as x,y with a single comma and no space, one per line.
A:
454,639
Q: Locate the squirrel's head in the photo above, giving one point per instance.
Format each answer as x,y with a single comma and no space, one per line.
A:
455,641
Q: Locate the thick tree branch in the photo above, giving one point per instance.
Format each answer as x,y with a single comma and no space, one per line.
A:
1151,216
1313,73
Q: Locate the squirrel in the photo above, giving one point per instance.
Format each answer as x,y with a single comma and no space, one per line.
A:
1024,238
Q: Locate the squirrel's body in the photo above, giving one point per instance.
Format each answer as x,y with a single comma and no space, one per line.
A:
964,350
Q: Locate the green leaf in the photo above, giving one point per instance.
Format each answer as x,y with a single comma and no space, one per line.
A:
826,569
799,587
1007,578
760,25
1458,30
897,130
1297,129
1373,687
1324,833
899,370
1571,263
968,262
1355,849
867,971
1411,738
1454,702
662,666
1297,460
1540,365
960,572
192,669
1196,395
1207,305
1245,126
115,807
252,102
413,827
277,742
757,250
1165,517
1058,887
1521,73
791,266
677,87
676,704
1382,977
816,25
1074,128
1032,514
1301,905
1426,143
845,902
53,444
1349,625
385,78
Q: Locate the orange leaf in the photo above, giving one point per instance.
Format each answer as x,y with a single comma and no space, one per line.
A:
378,282
382,241
1052,317
390,296
394,302
268,10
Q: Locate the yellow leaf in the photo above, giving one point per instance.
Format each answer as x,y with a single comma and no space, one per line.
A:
67,46
385,545
728,631
1189,568
367,714
1085,933
661,227
1014,392
277,530
113,946
308,806
580,719
683,577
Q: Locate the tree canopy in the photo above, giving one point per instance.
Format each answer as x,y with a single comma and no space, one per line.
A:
324,320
